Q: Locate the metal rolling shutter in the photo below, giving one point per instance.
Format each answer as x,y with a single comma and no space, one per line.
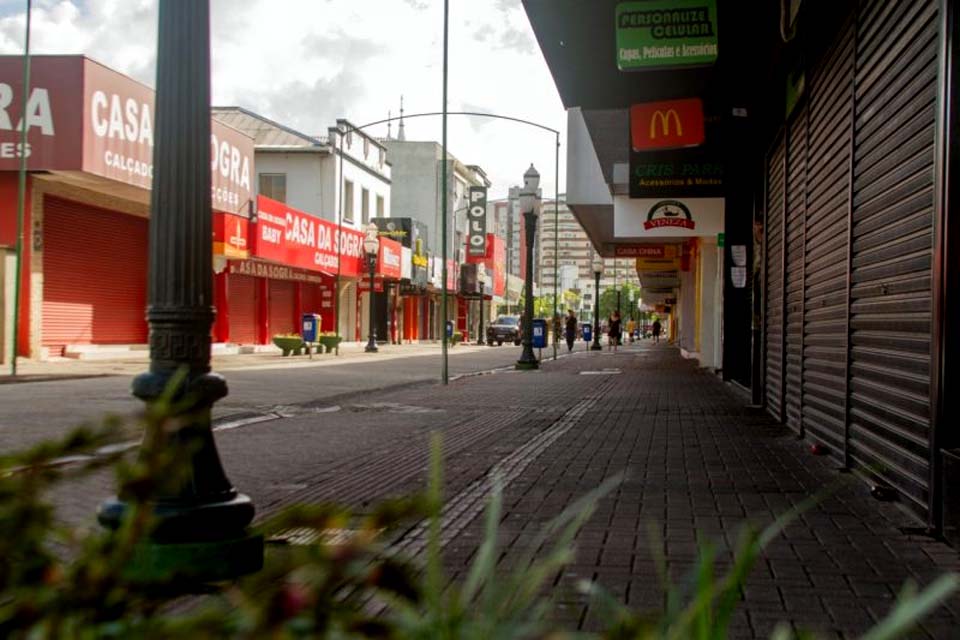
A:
891,298
773,312
242,297
827,246
794,276
94,276
282,311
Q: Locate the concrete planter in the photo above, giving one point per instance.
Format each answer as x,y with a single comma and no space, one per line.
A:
289,345
329,343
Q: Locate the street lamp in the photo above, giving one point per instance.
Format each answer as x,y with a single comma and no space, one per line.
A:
528,204
597,272
481,277
371,245
199,531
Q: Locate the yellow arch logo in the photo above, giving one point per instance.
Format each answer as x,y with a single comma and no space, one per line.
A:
664,118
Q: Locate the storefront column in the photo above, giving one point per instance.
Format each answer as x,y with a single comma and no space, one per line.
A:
263,311
710,303
221,325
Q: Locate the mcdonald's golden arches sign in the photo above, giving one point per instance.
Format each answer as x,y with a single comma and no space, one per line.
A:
666,125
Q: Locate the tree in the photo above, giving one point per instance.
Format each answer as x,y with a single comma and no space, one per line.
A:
608,300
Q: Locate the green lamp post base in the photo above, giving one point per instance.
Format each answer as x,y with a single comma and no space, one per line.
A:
195,562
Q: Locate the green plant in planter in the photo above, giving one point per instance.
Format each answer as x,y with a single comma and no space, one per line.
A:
289,343
329,341
456,339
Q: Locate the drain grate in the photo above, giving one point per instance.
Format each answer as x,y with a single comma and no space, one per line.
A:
602,372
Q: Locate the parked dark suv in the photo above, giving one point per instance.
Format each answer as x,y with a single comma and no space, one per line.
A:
504,329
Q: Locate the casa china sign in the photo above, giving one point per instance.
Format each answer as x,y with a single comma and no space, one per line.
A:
82,116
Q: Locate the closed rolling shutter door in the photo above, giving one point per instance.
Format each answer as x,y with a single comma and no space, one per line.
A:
773,312
242,294
825,286
796,182
282,299
94,276
892,244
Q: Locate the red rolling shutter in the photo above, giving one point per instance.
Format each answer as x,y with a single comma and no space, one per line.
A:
282,311
242,303
94,276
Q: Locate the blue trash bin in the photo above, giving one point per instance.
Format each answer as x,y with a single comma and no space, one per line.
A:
310,327
587,332
539,333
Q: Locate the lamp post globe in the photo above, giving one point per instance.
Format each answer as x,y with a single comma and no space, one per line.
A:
371,246
528,205
597,272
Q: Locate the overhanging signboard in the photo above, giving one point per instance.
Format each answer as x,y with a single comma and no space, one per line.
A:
477,221
674,151
666,33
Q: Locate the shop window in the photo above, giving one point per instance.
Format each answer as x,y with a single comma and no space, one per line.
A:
380,207
364,206
348,201
274,186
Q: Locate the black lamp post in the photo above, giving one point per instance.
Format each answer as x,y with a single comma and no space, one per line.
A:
371,245
597,272
200,519
528,204
481,277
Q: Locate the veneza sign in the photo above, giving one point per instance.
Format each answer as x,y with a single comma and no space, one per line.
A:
83,116
666,33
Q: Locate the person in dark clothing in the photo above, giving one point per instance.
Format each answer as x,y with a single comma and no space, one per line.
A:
656,330
614,332
571,329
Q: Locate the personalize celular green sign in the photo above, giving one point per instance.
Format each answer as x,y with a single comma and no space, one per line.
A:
666,33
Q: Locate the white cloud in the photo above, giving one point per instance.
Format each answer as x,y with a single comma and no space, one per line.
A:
307,62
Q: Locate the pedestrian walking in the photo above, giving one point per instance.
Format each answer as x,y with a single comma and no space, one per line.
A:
631,327
571,329
656,330
614,334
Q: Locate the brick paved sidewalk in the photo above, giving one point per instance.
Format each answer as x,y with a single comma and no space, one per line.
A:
698,463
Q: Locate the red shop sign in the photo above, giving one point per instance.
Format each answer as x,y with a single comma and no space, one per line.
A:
388,262
231,235
291,237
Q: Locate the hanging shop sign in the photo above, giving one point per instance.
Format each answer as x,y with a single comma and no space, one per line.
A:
231,236
675,150
495,264
291,237
477,222
668,124
658,264
645,250
406,263
82,116
667,218
666,33
389,259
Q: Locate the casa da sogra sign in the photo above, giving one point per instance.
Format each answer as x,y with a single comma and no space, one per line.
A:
82,116
666,33
667,218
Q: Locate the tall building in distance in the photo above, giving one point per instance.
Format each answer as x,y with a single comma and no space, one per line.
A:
564,242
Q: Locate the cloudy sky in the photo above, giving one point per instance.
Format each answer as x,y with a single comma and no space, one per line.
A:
305,63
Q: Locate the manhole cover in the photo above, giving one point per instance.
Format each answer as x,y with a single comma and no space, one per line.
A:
602,372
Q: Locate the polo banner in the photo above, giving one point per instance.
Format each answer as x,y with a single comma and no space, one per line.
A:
290,237
666,33
477,222
671,124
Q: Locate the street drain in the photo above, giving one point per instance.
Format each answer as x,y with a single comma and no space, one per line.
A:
602,372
